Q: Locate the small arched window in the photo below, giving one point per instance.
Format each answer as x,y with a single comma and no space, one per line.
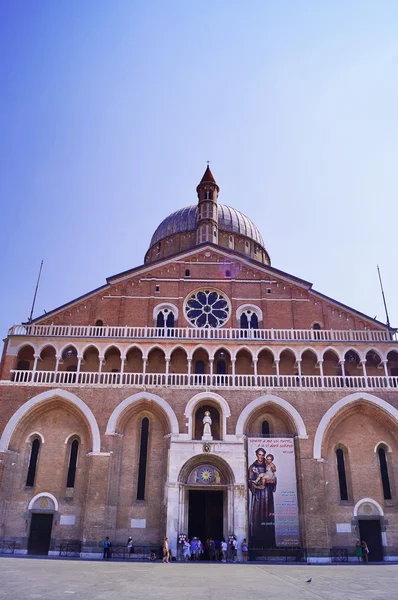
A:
249,319
170,320
99,323
187,273
341,471
143,459
74,449
385,479
34,455
165,316
265,428
254,321
244,324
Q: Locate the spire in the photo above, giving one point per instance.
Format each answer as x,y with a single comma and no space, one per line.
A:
207,220
208,178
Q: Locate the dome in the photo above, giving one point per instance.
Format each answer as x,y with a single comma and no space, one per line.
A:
229,219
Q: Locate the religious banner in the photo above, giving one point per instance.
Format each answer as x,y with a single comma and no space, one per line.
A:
273,510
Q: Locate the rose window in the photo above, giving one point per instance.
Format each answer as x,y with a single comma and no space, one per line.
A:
207,308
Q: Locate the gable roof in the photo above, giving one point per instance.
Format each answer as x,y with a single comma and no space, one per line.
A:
220,250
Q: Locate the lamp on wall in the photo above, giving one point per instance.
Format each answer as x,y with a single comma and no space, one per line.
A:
222,355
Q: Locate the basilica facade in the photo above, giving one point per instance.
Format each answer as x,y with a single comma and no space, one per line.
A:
203,393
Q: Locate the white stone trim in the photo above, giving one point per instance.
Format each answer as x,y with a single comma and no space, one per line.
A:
46,345
380,354
262,401
43,397
312,351
108,346
114,418
368,501
253,307
171,307
278,352
71,435
251,351
45,495
69,345
195,400
335,351
339,405
29,437
382,443
272,351
16,349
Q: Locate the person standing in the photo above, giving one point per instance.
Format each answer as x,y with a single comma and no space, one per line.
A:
130,546
234,549
224,548
358,551
245,550
365,552
107,549
194,549
217,546
166,554
186,550
211,549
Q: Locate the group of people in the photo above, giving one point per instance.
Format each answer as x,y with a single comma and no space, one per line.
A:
213,549
362,551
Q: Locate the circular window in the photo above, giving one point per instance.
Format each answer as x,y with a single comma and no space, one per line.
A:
207,308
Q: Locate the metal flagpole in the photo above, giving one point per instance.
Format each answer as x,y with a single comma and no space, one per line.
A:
34,297
384,298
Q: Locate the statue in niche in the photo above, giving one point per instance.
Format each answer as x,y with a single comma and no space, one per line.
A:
207,422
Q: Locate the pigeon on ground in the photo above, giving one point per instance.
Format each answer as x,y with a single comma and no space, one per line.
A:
309,580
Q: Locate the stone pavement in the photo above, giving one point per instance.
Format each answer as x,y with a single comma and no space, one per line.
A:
31,579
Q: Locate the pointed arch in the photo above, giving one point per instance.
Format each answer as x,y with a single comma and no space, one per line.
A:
41,399
257,352
287,349
338,354
266,399
339,406
46,345
234,353
311,350
195,400
123,406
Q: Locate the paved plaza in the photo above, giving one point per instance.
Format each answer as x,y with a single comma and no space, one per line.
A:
54,579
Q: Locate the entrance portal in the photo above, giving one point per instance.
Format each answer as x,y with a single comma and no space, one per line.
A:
370,532
40,533
206,514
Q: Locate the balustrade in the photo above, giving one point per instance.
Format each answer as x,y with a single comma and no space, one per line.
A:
205,380
188,333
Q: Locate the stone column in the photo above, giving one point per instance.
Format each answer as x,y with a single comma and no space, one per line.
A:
175,514
320,365
276,362
385,367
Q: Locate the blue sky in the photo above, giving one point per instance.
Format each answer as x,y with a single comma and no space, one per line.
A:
109,111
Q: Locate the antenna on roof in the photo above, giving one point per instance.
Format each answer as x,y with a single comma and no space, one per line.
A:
34,297
384,298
